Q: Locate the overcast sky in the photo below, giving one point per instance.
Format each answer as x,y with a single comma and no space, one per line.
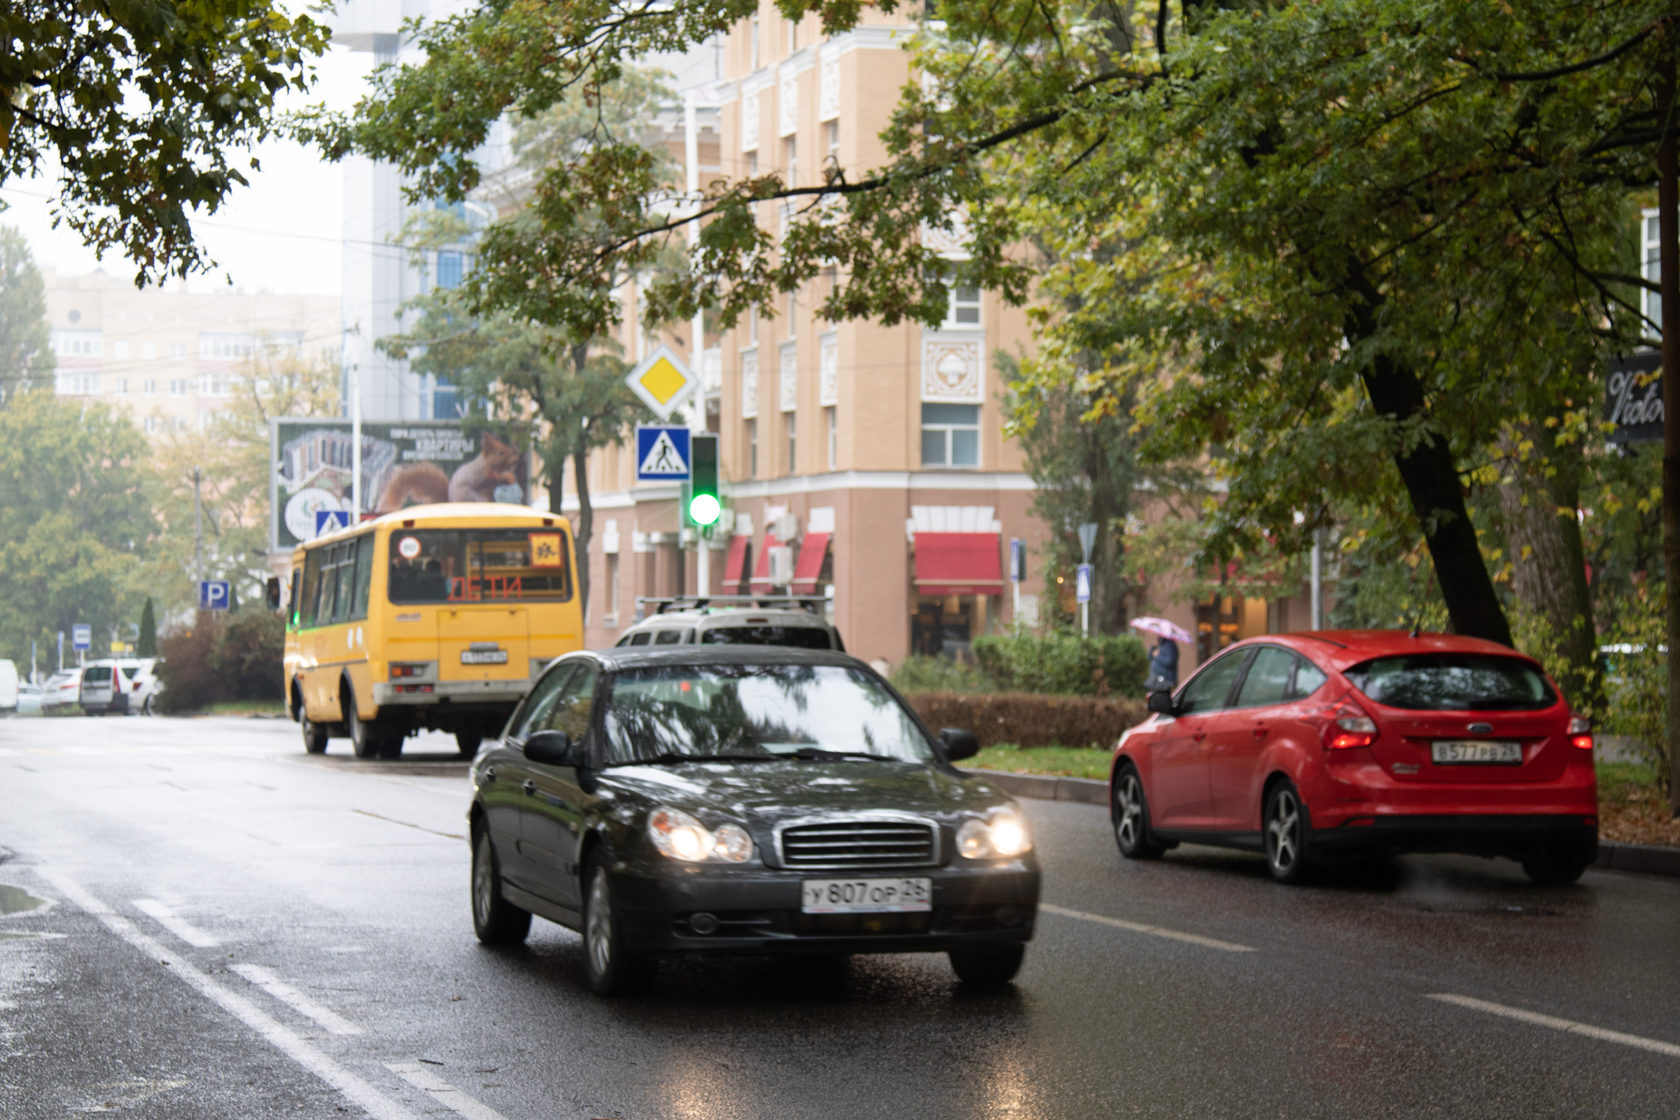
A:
281,234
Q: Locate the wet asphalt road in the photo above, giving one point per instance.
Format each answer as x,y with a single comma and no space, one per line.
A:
199,921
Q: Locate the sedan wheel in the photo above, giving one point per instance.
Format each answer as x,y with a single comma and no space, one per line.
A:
1286,829
986,966
612,970
1130,813
496,921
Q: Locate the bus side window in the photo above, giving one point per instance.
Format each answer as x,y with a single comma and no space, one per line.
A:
364,575
311,588
292,608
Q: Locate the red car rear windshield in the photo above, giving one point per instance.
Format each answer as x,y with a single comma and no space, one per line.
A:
1453,682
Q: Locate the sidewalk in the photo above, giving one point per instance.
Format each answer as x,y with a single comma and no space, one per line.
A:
1646,858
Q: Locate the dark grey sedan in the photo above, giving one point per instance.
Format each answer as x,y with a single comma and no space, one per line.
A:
743,800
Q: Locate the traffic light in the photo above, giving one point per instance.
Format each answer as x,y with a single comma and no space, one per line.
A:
703,504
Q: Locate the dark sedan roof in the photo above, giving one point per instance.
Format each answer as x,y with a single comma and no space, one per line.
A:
630,657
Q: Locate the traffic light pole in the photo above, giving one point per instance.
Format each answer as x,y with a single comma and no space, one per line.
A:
703,566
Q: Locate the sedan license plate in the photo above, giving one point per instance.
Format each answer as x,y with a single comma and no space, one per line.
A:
484,657
1475,752
866,896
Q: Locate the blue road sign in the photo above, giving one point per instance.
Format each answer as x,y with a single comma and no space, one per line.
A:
327,520
214,594
662,453
81,636
1083,586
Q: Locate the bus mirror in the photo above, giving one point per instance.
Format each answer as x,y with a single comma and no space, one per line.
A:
271,593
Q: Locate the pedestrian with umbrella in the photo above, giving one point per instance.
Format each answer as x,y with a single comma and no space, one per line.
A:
1163,659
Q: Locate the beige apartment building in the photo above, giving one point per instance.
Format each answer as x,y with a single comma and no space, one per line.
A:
861,463
167,356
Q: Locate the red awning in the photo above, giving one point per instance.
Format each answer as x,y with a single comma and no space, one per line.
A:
735,565
958,564
809,567
761,570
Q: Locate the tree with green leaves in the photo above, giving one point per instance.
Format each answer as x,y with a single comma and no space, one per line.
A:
232,455
77,517
146,644
141,108
1371,234
26,358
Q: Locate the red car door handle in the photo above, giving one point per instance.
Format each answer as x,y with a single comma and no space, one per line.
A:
1260,731
1198,735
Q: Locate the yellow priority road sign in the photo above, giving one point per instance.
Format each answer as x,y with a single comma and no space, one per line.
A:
663,381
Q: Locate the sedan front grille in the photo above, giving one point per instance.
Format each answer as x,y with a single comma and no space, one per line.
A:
859,844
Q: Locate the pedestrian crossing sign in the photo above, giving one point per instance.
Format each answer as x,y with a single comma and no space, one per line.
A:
662,453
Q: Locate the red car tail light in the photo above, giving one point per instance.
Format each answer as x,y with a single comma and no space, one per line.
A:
1345,726
1580,732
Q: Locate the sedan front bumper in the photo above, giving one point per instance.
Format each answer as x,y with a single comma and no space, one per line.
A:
757,911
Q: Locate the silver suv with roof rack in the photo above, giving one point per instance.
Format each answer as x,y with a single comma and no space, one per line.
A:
795,621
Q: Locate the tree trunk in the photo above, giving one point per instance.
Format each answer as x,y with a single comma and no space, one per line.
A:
1549,574
1668,240
1431,479
584,528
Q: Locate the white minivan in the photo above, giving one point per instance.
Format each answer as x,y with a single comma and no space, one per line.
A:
8,688
108,686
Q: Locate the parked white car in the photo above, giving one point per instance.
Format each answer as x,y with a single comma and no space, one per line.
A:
62,690
8,687
145,685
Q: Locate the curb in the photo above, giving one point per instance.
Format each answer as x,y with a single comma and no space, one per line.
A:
1647,859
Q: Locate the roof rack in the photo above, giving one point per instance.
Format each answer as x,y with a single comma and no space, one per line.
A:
813,604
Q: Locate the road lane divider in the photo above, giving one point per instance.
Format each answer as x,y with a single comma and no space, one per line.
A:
1152,931
443,1092
371,1100
175,924
1553,1022
266,979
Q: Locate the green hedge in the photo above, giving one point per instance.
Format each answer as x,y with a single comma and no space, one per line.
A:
1064,663
219,660
1030,720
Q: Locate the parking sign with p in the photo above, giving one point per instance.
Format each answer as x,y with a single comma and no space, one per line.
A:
214,594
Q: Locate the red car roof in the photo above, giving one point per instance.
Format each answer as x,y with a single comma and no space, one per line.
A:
1341,649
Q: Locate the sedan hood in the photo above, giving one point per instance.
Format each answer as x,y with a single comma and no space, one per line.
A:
774,792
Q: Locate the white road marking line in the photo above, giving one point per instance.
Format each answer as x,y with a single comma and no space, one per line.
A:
442,1091
272,984
180,927
1568,1026
1153,931
371,1100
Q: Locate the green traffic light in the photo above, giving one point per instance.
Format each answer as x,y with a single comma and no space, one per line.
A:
704,509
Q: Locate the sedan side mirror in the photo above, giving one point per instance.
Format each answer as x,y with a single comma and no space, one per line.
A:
553,747
1162,702
958,744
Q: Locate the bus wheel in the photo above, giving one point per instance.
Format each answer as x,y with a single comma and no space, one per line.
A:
468,741
364,739
314,735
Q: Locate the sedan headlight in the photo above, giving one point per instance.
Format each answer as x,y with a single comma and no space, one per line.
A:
681,837
1002,836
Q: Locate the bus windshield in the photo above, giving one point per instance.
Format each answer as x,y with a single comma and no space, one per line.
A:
479,565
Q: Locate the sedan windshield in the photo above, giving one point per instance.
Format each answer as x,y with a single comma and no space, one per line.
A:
759,713
1453,682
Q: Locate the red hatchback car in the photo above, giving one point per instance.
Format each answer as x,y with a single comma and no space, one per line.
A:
1333,744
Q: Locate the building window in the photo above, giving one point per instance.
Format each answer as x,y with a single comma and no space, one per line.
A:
609,609
962,307
831,132
122,385
752,327
793,35
149,387
950,435
449,269
792,441
177,349
149,424
222,347
832,415
753,34
792,313
177,386
148,350
119,349
78,384
752,448
791,147
76,344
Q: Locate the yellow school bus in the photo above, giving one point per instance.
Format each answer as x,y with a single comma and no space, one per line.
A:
435,617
